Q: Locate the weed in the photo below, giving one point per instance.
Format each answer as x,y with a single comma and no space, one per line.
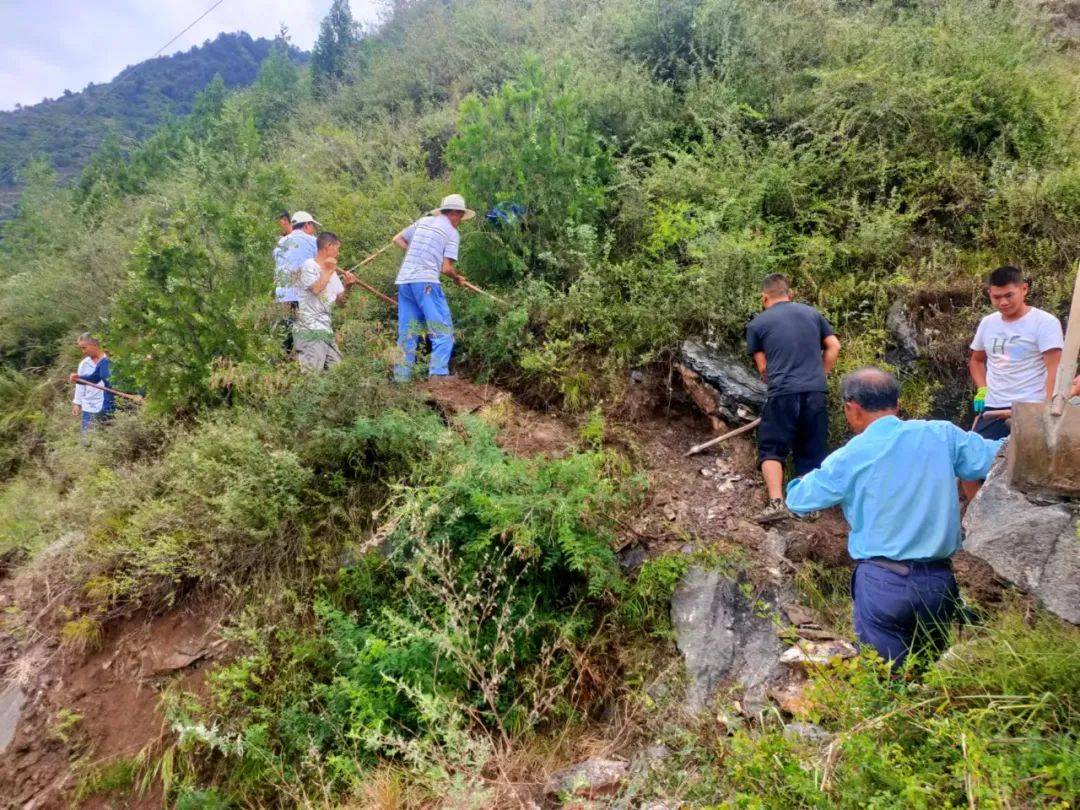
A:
65,723
81,635
115,777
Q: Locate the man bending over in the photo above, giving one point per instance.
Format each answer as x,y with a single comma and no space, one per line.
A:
896,482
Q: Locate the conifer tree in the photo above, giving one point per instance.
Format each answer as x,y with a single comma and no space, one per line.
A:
278,76
337,38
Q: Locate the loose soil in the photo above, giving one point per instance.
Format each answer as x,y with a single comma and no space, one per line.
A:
88,710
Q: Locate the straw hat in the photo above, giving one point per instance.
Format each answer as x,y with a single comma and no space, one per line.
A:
454,202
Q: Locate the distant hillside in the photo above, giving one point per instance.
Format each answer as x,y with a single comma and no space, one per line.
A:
69,129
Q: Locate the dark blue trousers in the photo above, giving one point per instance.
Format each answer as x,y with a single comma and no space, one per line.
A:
897,613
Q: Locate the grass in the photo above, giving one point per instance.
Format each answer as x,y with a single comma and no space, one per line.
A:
991,724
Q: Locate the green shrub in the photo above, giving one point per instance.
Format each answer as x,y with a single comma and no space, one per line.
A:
219,508
532,144
187,307
993,722
451,646
21,419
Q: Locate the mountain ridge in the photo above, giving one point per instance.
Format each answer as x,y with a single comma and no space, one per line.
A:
69,129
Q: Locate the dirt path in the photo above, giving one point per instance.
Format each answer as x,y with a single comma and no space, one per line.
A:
708,500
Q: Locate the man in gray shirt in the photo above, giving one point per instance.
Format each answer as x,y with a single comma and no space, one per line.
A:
794,348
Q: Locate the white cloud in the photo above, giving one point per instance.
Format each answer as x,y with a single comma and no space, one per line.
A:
66,44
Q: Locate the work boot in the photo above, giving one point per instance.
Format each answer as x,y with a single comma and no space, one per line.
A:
774,512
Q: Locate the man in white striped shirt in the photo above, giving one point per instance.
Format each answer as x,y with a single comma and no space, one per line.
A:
431,248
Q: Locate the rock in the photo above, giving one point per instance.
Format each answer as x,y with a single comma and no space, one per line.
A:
808,732
751,534
649,758
12,701
820,653
632,558
903,340
163,662
775,545
1032,544
790,696
738,392
588,779
813,634
721,636
658,690
801,615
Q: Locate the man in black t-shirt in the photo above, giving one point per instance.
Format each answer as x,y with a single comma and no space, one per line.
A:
794,348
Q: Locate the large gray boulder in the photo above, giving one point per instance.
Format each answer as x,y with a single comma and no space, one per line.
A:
724,636
739,392
1031,543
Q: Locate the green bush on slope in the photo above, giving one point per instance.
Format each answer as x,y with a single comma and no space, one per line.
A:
450,647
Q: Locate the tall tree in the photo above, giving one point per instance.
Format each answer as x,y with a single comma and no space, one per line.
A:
271,96
338,36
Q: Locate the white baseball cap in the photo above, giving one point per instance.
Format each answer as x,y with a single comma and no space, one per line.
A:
301,217
454,202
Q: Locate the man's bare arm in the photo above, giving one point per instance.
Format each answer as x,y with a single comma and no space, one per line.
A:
977,368
324,276
401,241
759,361
1052,358
448,269
830,353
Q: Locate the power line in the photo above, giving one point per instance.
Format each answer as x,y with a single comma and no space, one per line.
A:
171,41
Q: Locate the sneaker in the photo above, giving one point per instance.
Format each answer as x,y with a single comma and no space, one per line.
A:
773,512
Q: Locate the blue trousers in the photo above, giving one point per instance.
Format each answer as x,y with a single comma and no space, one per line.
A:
897,613
91,419
422,308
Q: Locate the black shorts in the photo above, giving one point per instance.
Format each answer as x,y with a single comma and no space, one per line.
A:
796,423
993,429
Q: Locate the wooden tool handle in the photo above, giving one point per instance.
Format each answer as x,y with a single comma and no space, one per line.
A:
470,286
113,391
373,291
1067,367
697,448
373,256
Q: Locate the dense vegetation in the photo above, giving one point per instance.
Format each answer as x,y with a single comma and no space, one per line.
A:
667,155
68,130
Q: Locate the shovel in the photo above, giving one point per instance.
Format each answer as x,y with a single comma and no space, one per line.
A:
1044,451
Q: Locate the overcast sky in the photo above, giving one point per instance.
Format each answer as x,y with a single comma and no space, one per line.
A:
48,46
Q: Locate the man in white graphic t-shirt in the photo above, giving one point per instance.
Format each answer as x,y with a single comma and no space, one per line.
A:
1015,353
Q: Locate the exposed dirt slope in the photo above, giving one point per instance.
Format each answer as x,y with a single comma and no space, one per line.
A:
85,708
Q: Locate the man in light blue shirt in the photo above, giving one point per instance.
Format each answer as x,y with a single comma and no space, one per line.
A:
431,249
896,483
291,253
